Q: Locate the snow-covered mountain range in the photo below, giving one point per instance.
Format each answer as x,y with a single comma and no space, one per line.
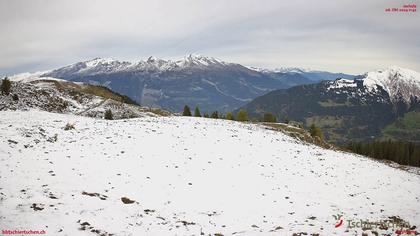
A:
402,85
213,84
195,80
152,64
189,62
312,75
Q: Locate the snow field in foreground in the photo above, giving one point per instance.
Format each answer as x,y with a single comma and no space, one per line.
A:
186,176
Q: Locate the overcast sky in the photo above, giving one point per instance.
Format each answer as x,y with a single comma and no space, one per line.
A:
343,36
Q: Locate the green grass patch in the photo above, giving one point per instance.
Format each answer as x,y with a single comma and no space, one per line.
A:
298,133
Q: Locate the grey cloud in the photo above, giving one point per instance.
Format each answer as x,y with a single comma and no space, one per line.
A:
345,35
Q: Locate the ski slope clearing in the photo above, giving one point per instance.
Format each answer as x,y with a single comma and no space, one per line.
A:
187,176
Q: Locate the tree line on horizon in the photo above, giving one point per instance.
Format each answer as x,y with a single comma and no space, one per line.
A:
401,152
242,115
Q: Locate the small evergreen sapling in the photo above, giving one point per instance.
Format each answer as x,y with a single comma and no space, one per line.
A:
229,116
187,111
108,115
315,131
268,117
5,86
242,115
197,112
69,126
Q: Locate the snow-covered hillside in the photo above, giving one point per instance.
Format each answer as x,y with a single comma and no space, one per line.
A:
30,92
187,176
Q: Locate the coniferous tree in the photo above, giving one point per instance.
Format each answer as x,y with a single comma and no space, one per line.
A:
5,86
197,112
108,115
268,117
315,131
187,111
214,115
206,115
229,116
405,153
242,115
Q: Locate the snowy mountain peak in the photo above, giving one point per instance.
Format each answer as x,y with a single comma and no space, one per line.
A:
292,70
153,59
296,70
199,60
99,61
401,84
94,66
153,63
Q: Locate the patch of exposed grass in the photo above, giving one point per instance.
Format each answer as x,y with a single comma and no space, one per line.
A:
331,103
298,133
99,91
69,126
325,121
159,112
